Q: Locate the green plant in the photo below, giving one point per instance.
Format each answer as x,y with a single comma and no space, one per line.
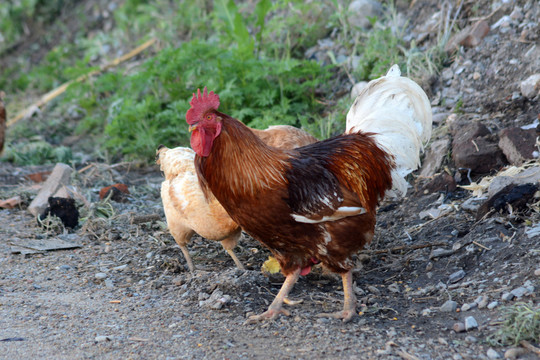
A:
148,107
458,106
36,153
522,322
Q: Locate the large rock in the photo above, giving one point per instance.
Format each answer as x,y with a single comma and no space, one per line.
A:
474,148
59,178
530,87
470,36
434,157
360,10
527,176
518,145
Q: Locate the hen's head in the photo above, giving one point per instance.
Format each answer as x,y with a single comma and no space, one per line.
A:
204,122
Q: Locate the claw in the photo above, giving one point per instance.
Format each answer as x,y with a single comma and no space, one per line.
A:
269,314
292,302
345,315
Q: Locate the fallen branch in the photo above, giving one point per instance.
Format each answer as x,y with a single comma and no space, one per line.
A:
399,248
530,347
405,355
145,218
62,88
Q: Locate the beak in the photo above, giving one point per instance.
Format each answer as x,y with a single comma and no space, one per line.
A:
192,127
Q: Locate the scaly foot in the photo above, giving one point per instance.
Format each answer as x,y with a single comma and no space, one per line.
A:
269,314
345,315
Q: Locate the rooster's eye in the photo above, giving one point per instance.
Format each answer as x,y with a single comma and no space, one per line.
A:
208,117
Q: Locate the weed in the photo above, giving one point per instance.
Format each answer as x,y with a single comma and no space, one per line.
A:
37,152
522,322
148,108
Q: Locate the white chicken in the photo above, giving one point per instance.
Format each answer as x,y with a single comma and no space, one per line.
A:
398,111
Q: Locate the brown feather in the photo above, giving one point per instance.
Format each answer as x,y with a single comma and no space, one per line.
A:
257,185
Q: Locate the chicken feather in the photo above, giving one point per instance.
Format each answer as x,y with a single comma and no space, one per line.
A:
398,112
316,203
188,210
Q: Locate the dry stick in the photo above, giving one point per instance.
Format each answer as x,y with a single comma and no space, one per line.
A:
403,247
405,355
145,218
530,347
62,88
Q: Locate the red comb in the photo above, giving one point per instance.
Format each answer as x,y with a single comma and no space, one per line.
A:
201,104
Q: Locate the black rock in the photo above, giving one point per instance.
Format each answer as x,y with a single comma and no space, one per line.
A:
64,209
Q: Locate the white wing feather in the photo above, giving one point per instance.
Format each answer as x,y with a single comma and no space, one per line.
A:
398,111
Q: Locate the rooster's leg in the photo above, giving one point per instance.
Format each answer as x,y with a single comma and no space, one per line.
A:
188,257
349,305
275,307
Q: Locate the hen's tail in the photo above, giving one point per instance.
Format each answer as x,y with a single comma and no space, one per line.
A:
398,111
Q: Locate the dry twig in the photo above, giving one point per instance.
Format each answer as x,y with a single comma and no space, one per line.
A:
62,88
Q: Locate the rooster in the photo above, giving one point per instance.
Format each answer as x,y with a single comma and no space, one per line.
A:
317,203
188,211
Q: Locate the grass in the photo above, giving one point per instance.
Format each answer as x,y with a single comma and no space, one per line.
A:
521,322
251,54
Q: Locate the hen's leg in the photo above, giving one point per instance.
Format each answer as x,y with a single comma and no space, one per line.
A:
275,307
349,304
229,244
182,235
188,257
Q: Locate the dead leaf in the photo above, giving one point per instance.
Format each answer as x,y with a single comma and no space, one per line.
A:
10,203
271,266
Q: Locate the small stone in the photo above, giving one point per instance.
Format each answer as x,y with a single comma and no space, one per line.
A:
507,296
64,267
440,117
514,353
442,341
459,327
476,75
492,305
470,323
372,289
109,283
492,354
426,312
449,306
439,252
530,87
465,307
102,338
537,272
471,339
519,292
100,276
455,277
482,301
393,288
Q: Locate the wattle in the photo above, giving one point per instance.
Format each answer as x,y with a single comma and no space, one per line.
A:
201,142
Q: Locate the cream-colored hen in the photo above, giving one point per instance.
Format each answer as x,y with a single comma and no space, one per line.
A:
186,208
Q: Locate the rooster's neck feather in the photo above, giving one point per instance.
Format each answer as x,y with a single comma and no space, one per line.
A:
240,163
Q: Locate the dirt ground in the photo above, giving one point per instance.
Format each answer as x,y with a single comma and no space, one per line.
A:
126,291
